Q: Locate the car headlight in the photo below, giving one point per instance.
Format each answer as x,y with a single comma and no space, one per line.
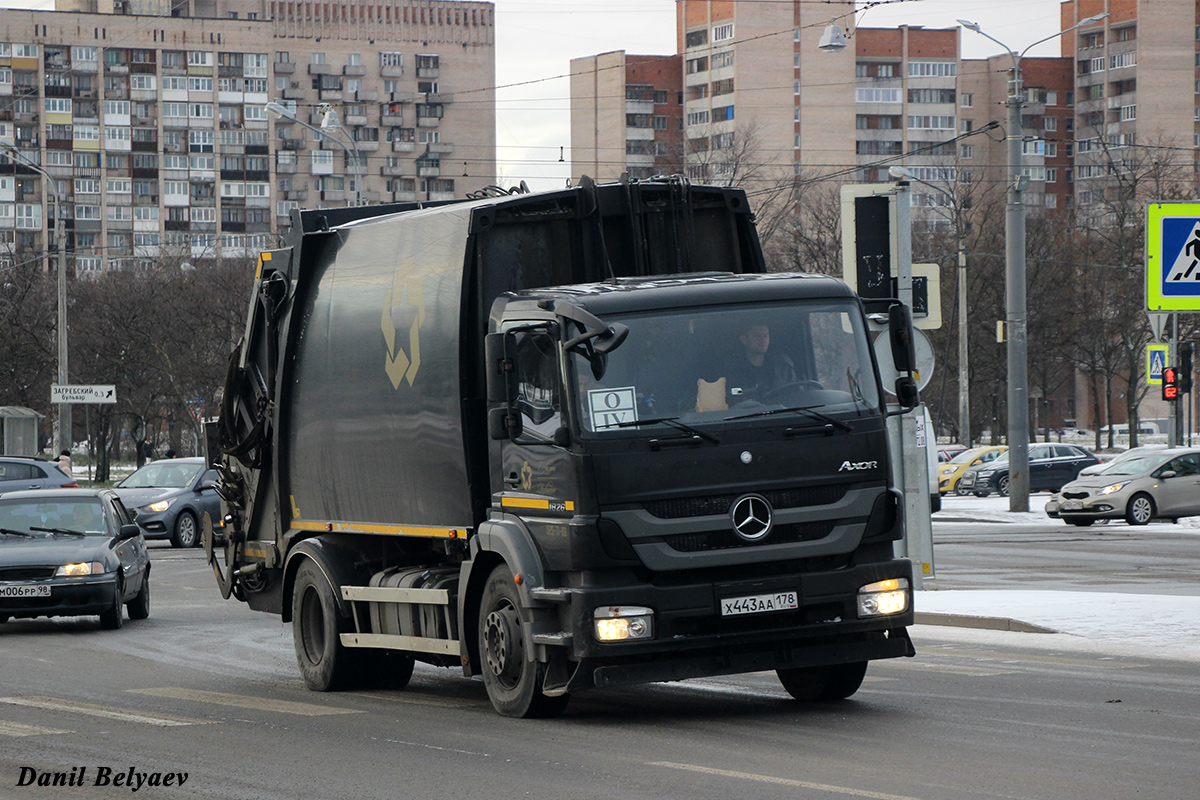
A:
1115,487
883,597
161,505
79,569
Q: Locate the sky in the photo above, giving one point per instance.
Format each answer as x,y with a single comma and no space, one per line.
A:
536,40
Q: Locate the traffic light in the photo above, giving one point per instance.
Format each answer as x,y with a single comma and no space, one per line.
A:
1170,384
1184,374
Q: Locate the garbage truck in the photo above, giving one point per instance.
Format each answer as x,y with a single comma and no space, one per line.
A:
561,441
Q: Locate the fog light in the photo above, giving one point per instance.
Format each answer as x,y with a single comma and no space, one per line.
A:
883,597
620,623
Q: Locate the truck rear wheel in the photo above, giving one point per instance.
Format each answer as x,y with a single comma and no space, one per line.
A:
513,682
831,682
324,663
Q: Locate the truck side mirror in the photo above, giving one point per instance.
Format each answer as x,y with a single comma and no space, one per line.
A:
500,389
907,394
904,354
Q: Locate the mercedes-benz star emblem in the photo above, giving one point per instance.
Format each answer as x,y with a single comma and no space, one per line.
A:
751,517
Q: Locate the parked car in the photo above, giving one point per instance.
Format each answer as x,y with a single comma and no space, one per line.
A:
32,472
1051,466
1132,452
1163,484
950,472
949,451
170,497
71,552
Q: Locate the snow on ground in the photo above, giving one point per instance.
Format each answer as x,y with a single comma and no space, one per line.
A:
1145,625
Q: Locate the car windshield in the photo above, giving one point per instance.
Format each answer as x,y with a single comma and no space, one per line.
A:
1132,466
165,474
41,518
967,456
695,368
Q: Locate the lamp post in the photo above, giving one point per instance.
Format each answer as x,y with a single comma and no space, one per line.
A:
964,399
63,438
329,121
278,110
1014,261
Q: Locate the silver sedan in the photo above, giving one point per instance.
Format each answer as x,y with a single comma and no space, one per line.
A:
1159,485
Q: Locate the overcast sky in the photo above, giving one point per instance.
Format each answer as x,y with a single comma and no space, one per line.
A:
536,40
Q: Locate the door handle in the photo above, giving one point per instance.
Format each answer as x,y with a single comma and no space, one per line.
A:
513,480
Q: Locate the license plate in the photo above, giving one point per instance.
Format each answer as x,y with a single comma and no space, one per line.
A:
759,603
25,591
1071,505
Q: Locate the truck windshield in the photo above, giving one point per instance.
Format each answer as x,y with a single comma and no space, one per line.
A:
709,366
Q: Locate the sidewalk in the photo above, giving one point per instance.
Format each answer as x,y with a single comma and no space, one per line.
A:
1164,626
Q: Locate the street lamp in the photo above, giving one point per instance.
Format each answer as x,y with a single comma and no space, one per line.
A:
60,235
278,110
1014,260
329,121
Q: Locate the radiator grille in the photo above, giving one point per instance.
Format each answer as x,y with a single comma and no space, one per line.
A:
678,508
727,539
26,573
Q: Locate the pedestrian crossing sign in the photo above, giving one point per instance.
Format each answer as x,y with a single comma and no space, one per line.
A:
1156,362
1173,257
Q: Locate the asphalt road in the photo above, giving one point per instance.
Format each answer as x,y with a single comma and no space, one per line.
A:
209,689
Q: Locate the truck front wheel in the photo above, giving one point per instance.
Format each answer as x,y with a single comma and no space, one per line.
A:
513,681
832,682
325,664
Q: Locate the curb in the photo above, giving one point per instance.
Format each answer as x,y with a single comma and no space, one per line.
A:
983,623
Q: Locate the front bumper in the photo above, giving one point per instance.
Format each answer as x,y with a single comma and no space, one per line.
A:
693,639
68,597
155,524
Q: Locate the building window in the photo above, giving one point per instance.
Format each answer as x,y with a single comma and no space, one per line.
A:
932,69
877,95
723,32
1050,124
391,60
968,151
722,59
967,100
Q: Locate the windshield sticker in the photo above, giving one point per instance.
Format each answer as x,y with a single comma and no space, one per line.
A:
611,407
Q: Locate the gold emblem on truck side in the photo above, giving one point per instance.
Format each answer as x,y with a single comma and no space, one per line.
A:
404,301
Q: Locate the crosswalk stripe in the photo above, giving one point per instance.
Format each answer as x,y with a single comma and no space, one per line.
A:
77,707
246,701
770,779
17,729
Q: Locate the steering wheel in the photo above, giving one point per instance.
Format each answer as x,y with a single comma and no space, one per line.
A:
801,384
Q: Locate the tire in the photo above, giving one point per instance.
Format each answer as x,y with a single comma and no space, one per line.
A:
823,684
1002,486
1080,523
960,491
1140,509
139,606
325,664
513,683
114,617
187,531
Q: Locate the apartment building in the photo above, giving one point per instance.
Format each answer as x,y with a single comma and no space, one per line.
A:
1137,76
626,115
152,119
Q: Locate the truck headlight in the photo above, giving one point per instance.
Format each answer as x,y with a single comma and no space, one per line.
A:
620,623
883,597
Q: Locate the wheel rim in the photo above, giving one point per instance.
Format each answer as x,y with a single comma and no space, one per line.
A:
1003,487
312,625
187,530
1141,509
505,652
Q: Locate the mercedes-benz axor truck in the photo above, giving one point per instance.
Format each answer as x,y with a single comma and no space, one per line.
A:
560,441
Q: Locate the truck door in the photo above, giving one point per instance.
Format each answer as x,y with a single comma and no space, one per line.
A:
532,463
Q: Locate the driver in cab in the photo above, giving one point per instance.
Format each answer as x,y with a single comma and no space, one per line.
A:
754,372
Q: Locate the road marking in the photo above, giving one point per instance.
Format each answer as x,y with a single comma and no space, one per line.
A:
126,715
749,776
1021,658
950,669
401,697
17,729
246,701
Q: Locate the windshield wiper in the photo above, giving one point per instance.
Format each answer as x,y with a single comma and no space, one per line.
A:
12,532
673,422
810,410
67,531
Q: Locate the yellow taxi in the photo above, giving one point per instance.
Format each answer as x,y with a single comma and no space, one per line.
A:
952,470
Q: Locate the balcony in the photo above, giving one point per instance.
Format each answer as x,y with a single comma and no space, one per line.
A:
333,195
286,169
429,172
329,94
441,147
320,69
392,172
391,72
403,147
356,70
299,195
293,92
